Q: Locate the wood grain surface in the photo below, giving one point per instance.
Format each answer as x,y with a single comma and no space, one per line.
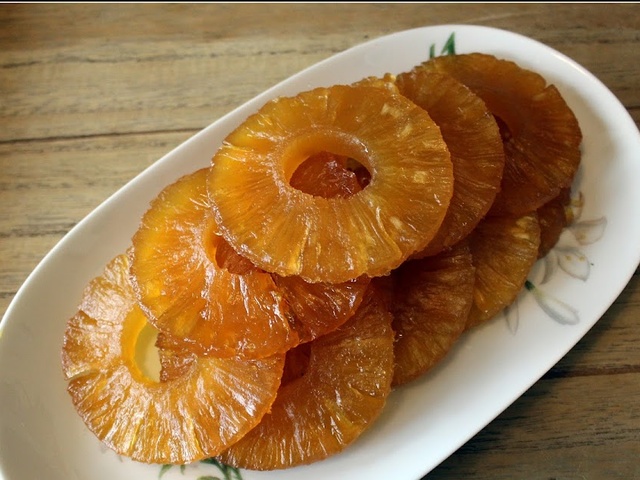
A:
92,94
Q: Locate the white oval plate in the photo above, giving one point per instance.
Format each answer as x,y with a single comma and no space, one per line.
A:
41,436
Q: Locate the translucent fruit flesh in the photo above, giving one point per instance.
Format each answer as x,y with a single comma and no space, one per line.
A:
325,175
187,295
286,231
554,216
541,134
320,308
430,305
325,404
504,250
473,138
195,415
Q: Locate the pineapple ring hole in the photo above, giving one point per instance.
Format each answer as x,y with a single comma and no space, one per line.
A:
505,130
226,258
146,355
221,254
339,165
296,363
345,151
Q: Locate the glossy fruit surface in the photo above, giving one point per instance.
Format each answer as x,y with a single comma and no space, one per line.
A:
325,175
319,308
210,405
504,250
286,231
188,287
541,133
473,138
554,216
430,305
335,391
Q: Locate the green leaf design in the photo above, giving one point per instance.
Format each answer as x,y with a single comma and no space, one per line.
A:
164,469
228,472
558,310
449,47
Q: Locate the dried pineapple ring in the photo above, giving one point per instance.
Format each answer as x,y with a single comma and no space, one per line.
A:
430,305
339,395
288,232
473,138
504,249
541,133
554,216
186,294
325,175
189,418
320,308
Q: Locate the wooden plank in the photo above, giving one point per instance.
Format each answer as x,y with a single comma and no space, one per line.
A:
611,346
554,435
47,187
113,72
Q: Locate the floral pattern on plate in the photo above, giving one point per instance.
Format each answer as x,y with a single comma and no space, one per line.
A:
567,256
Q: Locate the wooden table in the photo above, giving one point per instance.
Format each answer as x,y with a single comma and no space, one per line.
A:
91,94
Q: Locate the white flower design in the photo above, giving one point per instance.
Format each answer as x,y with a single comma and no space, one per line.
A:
567,255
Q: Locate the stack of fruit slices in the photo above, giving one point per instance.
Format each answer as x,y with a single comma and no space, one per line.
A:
338,245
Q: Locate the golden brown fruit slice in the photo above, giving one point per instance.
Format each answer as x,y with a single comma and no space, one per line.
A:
188,295
296,363
316,308
193,416
286,231
473,138
504,250
431,303
321,411
554,216
540,131
320,308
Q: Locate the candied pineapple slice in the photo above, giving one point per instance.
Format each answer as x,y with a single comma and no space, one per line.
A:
326,175
320,308
473,138
554,216
334,392
431,301
289,232
195,415
541,134
187,294
504,250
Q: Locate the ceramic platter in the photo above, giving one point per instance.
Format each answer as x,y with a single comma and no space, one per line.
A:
41,436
